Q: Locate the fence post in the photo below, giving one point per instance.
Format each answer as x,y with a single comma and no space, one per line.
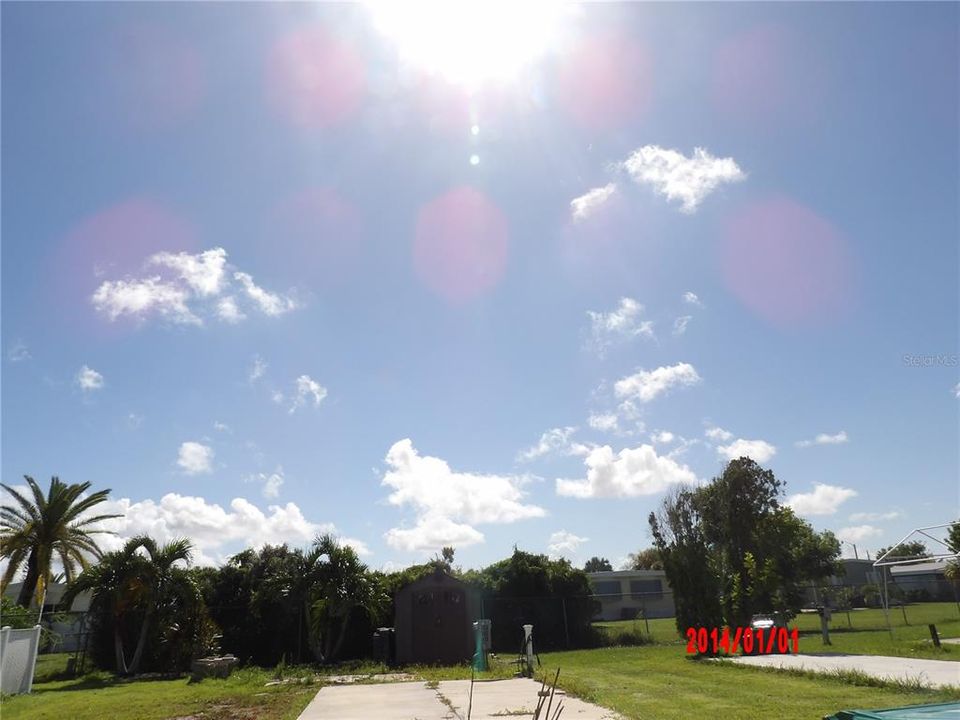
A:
566,628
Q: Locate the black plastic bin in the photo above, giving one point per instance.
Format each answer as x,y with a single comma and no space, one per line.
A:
384,645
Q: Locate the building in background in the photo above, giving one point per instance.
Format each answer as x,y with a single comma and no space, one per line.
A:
627,594
64,625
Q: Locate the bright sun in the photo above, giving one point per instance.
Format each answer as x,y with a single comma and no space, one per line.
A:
471,43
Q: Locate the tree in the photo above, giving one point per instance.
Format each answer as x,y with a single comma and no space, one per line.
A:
685,554
915,549
953,537
646,559
732,543
140,590
164,586
952,570
343,584
597,564
259,600
552,595
58,524
443,561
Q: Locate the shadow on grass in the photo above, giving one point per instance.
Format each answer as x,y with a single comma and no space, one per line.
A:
98,681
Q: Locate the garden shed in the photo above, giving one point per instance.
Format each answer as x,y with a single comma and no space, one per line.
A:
433,620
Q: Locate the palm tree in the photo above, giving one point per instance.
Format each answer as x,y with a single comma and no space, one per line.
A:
58,524
342,583
165,585
148,583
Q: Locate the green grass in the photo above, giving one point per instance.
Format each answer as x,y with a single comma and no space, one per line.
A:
864,633
100,695
659,682
243,695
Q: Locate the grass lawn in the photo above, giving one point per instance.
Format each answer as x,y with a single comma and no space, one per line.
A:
99,695
243,696
863,633
658,682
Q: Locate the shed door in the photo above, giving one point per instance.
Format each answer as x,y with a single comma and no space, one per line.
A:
439,625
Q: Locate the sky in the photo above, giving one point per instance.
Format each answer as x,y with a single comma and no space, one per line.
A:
491,276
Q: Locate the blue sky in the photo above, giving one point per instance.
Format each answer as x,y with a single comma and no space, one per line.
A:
275,269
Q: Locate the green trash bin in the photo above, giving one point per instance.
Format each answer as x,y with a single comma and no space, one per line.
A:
481,638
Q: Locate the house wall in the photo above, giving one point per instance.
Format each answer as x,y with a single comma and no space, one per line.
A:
69,633
626,594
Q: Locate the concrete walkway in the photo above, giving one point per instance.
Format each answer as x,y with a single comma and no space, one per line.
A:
418,701
931,673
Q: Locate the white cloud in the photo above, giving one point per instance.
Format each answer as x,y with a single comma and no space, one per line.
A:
956,390
662,437
195,458
680,324
677,177
758,450
563,543
629,473
271,482
203,273
588,203
605,422
448,503
257,369
359,546
270,303
646,385
194,286
308,389
139,298
18,352
691,299
221,427
431,533
134,420
824,500
228,311
628,410
718,434
215,531
621,324
858,533
873,516
555,440
825,439
89,379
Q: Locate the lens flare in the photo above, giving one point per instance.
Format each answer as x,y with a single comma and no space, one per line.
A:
787,264
605,81
315,79
460,245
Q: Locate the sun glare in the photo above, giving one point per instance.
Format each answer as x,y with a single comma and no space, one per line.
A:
471,43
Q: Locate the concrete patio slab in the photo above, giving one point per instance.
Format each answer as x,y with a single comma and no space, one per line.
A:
509,698
932,673
387,701
448,701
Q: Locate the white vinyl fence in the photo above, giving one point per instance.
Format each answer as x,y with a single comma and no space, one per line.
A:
18,658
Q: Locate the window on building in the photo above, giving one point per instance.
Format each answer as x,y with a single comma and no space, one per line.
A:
607,589
646,589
